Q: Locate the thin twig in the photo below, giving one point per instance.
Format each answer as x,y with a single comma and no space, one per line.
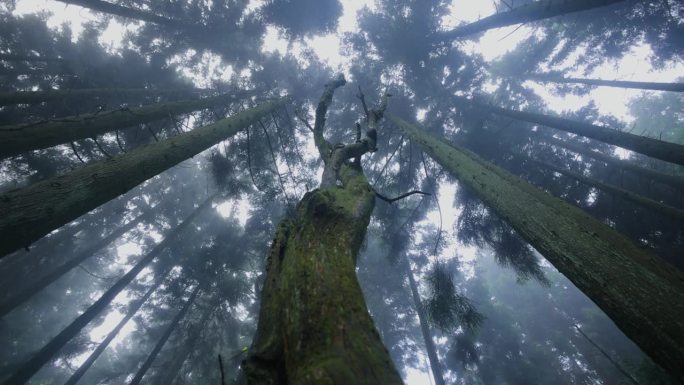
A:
152,132
118,141
605,354
402,196
305,121
100,147
363,102
377,177
249,162
275,162
73,148
95,275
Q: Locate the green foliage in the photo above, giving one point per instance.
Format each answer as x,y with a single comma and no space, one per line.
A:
447,308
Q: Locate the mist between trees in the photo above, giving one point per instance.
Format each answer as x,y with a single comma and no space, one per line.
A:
188,206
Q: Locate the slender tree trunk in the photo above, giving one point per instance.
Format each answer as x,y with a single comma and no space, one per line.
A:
44,355
674,87
669,152
33,97
170,371
131,13
640,292
19,138
132,310
314,327
425,329
43,282
165,337
667,179
536,10
28,213
664,209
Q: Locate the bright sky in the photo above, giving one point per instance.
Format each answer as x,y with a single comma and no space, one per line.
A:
494,43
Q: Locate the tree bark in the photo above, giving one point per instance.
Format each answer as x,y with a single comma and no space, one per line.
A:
131,13
132,310
664,209
33,97
314,326
537,10
165,337
425,329
28,213
674,87
45,354
669,152
667,179
640,292
18,138
43,282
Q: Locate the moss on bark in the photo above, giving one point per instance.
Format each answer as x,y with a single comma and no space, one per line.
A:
314,327
640,292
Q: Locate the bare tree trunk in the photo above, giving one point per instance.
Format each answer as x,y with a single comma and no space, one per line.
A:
639,291
50,350
43,282
669,152
33,97
28,213
536,10
643,172
130,13
425,328
18,138
674,87
132,310
165,337
664,209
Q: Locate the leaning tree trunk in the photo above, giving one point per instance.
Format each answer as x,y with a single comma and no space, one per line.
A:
666,210
28,213
643,172
132,311
44,281
165,337
131,13
314,327
167,375
536,10
33,364
669,152
425,328
640,292
19,138
675,87
33,97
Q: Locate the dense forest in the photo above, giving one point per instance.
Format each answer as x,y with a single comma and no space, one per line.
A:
341,192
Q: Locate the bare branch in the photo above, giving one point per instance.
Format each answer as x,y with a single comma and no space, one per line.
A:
321,110
73,148
100,147
363,103
305,121
402,196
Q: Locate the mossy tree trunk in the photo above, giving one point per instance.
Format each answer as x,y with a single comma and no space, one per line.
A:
27,369
657,86
314,326
667,151
536,10
18,138
28,213
640,292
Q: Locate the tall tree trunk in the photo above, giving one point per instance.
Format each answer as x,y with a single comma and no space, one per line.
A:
131,13
132,310
536,10
664,209
675,87
170,371
43,282
314,327
669,152
18,138
425,328
28,213
33,97
165,337
50,350
640,292
647,173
